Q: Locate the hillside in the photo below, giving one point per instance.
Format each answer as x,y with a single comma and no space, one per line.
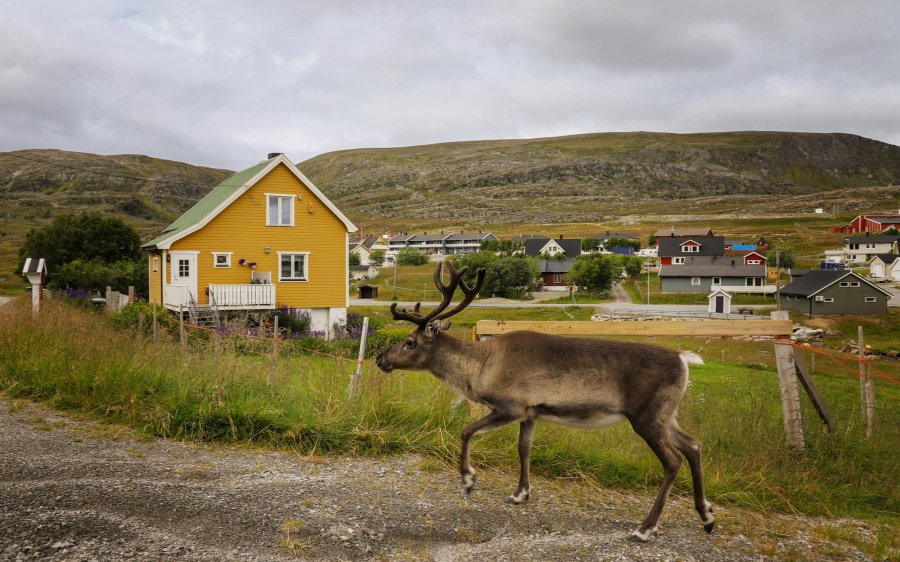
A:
37,183
148,193
595,177
504,186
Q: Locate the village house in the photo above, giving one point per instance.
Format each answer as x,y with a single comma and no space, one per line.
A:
266,237
885,266
553,247
445,244
874,223
553,274
860,249
827,291
699,274
674,250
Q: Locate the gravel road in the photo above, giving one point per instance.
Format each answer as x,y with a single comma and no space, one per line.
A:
77,490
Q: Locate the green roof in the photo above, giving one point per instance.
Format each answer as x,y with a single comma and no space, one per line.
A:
208,204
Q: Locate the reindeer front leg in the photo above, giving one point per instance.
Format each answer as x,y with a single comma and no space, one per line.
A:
526,436
488,423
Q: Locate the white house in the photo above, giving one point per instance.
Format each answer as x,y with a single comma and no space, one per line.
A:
885,266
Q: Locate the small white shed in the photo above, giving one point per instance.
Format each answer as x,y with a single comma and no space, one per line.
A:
719,302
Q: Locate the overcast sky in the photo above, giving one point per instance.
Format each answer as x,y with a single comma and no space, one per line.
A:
222,82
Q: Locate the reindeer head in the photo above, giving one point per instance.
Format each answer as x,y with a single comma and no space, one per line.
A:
416,350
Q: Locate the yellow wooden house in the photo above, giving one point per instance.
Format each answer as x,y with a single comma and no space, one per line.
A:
265,238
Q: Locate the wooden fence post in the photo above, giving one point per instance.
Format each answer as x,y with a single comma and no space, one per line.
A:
155,325
181,330
354,380
870,403
109,306
790,396
273,359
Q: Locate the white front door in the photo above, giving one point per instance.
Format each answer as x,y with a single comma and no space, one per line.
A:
184,271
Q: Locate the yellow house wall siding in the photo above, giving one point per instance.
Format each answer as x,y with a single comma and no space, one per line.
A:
241,229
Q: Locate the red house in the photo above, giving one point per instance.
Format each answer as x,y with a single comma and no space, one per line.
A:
874,223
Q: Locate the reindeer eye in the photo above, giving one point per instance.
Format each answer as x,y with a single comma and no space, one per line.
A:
409,344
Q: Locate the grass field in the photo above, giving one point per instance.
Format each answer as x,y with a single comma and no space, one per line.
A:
72,359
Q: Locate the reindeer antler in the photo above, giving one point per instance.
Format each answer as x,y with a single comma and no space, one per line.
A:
447,291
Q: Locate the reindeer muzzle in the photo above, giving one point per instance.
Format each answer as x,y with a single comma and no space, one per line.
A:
382,363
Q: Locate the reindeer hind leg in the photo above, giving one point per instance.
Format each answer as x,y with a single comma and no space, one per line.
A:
690,448
668,455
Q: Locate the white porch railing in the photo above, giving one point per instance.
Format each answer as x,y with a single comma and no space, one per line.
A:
242,296
748,289
176,295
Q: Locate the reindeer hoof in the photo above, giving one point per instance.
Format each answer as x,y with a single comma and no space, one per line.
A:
709,522
638,536
517,498
468,482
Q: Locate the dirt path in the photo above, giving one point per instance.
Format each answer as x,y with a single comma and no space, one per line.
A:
74,490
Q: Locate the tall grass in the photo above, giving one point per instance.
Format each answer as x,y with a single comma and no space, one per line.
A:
218,392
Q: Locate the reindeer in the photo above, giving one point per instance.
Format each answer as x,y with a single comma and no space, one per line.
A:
526,376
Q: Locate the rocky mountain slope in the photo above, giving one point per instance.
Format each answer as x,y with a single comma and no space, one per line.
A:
596,176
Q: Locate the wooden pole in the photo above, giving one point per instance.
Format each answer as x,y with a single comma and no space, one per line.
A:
790,395
862,375
870,403
109,305
155,325
354,381
273,359
181,334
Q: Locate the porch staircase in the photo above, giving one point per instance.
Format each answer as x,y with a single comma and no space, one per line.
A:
204,315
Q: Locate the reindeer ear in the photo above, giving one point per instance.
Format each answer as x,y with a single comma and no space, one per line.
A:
435,326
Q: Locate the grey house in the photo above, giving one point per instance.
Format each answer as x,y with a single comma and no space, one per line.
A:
704,274
825,291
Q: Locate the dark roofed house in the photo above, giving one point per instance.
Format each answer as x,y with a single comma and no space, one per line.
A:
674,250
827,291
703,274
571,247
553,274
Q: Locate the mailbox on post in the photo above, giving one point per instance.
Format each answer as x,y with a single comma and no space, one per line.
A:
35,270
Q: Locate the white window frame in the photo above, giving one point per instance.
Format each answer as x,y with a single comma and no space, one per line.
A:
695,281
677,261
716,281
281,256
155,264
691,249
292,208
754,262
871,299
829,299
216,264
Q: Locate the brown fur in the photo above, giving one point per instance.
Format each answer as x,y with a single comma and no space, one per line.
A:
580,382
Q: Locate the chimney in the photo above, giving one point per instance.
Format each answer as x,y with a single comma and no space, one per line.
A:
560,236
274,155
